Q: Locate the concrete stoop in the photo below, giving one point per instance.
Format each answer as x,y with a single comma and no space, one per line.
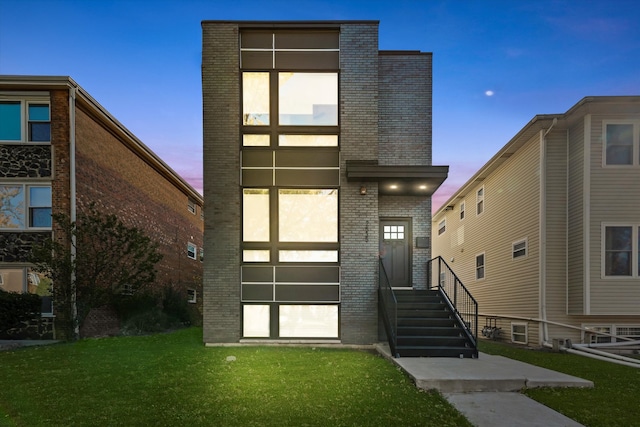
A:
486,389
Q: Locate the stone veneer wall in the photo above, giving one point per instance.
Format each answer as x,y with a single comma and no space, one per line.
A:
221,112
25,161
16,246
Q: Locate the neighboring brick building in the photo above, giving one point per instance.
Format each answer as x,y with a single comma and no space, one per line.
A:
60,151
317,164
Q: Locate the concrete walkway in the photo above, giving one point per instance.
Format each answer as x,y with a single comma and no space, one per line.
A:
486,390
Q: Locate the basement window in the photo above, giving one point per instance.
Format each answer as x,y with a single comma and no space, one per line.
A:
519,333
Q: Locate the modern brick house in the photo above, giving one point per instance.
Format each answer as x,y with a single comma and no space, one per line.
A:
317,164
545,235
60,151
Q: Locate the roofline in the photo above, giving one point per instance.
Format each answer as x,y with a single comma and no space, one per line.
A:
270,24
537,123
130,140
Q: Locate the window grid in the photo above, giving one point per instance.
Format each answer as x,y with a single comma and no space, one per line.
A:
25,121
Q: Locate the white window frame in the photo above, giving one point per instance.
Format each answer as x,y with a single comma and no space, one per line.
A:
525,249
635,250
480,203
24,118
192,296
525,333
462,210
635,152
442,227
27,204
484,266
191,249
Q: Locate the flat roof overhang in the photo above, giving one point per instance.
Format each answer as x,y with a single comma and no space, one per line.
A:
399,180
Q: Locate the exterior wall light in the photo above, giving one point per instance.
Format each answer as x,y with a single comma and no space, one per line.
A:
363,191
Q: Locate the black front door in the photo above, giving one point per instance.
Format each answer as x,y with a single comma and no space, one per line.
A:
395,238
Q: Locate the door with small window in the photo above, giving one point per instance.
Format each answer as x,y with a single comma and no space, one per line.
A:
395,250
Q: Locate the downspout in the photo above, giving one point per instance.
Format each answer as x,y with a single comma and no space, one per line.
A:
72,200
543,232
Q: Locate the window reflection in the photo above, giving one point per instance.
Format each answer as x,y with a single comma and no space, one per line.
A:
308,215
308,99
255,99
255,215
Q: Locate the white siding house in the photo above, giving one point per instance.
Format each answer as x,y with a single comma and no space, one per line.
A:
548,238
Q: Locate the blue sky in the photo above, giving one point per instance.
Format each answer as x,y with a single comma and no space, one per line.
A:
496,64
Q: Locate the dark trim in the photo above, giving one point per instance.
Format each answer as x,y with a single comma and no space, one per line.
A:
407,179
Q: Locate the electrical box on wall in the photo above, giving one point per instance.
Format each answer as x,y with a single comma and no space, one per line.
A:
422,242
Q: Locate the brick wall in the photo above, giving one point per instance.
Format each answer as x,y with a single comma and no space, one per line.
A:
358,214
405,139
221,109
405,107
119,181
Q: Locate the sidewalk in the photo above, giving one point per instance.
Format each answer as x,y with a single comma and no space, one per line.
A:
486,389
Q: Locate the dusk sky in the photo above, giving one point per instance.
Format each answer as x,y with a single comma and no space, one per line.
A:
496,64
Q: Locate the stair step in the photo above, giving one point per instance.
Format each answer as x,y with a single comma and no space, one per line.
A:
431,341
426,321
425,314
419,305
447,331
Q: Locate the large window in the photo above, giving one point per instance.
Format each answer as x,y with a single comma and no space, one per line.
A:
25,121
290,177
620,249
620,144
308,215
25,206
308,99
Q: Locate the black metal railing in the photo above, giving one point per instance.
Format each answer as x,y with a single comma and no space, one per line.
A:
441,277
389,308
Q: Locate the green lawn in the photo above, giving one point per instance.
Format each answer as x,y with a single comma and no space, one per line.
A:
173,380
612,402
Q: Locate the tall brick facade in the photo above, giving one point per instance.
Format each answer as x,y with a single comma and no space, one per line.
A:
384,132
92,153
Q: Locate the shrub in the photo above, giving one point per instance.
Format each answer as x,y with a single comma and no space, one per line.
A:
16,308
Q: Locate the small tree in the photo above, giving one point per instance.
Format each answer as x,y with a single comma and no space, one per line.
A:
93,259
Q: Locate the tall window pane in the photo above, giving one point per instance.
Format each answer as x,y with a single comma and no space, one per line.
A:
255,99
12,208
308,215
618,249
255,215
308,99
10,123
619,144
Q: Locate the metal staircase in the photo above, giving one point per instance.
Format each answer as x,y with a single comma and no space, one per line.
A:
439,322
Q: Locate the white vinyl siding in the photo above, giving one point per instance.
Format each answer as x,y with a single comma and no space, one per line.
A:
610,205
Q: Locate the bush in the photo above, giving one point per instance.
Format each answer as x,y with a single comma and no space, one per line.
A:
16,308
128,306
175,305
151,321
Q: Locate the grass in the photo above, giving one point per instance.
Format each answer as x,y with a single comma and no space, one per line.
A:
612,402
172,379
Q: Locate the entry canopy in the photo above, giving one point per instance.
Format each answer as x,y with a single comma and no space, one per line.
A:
399,180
